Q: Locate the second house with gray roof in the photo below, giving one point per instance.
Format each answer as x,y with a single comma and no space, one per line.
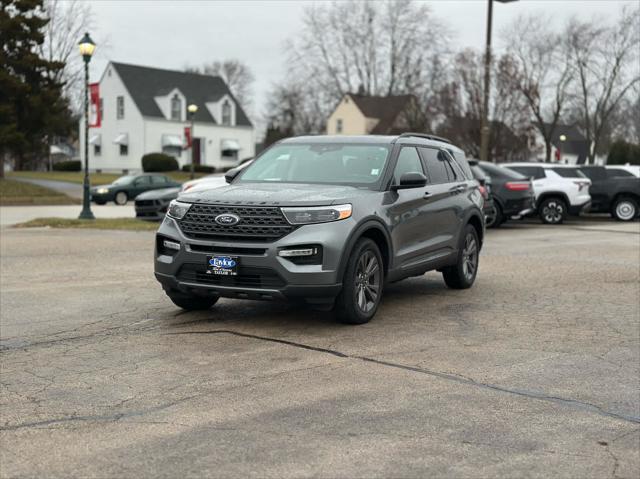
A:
144,110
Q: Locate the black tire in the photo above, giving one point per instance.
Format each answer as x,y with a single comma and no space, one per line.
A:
624,208
496,218
552,211
463,274
362,284
191,303
121,198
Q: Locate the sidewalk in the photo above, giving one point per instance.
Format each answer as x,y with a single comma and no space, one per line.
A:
74,190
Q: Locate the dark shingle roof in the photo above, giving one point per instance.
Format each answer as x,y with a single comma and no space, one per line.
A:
145,83
384,108
575,142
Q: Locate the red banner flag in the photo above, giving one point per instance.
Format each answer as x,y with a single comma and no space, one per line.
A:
95,117
187,135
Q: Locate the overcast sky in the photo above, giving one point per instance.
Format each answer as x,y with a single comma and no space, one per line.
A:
172,34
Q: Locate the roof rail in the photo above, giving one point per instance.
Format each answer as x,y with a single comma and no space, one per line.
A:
426,136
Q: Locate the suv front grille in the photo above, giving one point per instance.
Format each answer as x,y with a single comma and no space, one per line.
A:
257,223
248,277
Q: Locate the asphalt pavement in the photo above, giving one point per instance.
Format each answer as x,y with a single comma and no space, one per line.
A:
534,372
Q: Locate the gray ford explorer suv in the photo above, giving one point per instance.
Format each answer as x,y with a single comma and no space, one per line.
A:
328,220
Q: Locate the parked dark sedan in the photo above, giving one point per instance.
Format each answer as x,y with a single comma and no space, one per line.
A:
128,187
485,189
512,193
152,205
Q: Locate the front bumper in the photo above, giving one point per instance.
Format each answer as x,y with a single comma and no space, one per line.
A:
151,210
102,197
262,274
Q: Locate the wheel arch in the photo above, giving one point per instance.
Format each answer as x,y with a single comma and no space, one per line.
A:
375,231
476,221
553,194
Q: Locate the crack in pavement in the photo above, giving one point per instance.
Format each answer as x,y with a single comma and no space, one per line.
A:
575,403
103,417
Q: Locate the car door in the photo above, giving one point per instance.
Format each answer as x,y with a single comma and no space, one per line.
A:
140,185
445,201
406,212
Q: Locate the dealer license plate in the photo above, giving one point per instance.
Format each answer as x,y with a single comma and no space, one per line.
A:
222,265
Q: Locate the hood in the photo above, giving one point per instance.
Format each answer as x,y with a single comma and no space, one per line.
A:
162,194
110,185
277,194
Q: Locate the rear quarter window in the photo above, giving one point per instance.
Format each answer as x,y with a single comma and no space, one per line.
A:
569,172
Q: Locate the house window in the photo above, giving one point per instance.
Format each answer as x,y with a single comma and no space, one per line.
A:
339,125
120,107
97,150
124,150
226,113
176,108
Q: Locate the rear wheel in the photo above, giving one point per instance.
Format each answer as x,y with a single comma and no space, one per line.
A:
552,211
463,274
362,284
121,198
190,302
624,209
495,217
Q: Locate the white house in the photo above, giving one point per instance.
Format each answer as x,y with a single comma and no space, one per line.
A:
144,110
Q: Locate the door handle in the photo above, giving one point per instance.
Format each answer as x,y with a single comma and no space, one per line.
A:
427,195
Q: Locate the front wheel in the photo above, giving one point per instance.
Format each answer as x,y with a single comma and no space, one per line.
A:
362,284
121,198
552,211
463,274
624,209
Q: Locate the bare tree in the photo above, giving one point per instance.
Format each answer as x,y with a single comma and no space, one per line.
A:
68,21
461,102
236,74
543,72
395,49
606,61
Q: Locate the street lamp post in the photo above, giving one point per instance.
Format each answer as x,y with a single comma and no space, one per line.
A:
86,46
192,109
484,122
562,138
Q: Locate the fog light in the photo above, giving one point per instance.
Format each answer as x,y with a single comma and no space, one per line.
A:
295,253
171,245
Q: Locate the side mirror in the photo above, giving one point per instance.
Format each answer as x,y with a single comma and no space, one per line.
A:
231,174
410,180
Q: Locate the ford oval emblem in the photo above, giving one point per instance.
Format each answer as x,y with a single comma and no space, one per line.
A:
227,219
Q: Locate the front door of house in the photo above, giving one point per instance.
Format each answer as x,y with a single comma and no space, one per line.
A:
196,151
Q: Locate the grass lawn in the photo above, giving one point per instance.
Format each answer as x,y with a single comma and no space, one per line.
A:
14,193
96,178
100,223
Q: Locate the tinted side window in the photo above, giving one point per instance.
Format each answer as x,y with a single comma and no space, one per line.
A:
595,173
619,173
436,165
408,162
462,162
158,180
569,172
142,180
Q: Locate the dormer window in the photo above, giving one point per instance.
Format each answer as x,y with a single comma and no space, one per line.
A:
226,113
176,108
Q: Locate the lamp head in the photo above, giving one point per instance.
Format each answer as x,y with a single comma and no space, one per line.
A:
192,109
86,47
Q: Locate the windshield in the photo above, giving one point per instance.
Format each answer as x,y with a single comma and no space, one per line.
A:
357,165
124,180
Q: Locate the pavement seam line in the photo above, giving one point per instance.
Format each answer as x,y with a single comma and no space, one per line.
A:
575,403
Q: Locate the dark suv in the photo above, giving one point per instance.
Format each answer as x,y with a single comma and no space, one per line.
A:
328,220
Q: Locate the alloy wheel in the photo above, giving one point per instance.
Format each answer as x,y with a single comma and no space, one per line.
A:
553,212
470,257
368,278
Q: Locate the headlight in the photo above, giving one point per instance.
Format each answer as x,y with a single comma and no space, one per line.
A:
316,214
102,191
177,209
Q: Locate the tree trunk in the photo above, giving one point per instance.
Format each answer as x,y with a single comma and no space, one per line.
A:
547,150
